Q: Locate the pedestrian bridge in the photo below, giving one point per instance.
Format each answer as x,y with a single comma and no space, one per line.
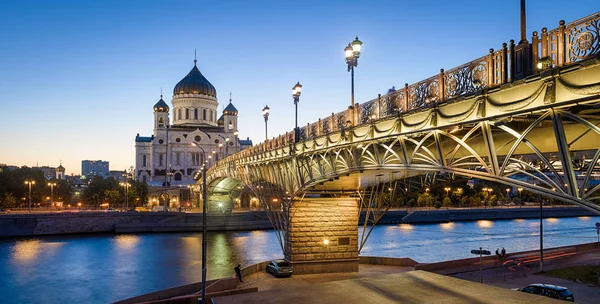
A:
526,115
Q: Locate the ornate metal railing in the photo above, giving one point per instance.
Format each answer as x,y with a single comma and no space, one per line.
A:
567,44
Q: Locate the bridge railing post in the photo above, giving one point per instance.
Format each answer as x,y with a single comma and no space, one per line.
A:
512,60
560,44
504,64
406,106
544,42
319,127
378,106
490,69
535,50
441,86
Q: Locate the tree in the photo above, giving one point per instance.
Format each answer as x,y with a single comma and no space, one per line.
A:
447,202
424,200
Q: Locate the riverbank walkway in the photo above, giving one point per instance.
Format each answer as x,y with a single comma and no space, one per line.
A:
395,284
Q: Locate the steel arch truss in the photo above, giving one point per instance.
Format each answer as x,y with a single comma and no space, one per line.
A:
553,152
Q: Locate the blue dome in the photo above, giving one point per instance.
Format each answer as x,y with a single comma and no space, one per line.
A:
161,106
230,109
195,83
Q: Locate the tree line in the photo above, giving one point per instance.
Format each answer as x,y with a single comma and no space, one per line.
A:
14,192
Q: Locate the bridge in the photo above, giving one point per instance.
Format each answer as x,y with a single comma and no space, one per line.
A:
525,115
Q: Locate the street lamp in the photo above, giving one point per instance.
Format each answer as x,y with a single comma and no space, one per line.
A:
352,52
226,147
29,182
52,192
265,111
447,190
296,91
520,197
204,211
126,185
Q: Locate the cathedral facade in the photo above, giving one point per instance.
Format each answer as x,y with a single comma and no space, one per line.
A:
195,135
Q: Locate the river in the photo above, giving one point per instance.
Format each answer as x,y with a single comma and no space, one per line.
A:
107,268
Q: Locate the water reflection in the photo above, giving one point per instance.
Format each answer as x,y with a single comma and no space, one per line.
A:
447,226
26,251
127,241
106,268
485,224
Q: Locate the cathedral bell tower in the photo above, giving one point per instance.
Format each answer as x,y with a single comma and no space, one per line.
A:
161,116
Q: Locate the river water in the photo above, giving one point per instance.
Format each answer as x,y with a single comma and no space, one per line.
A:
107,268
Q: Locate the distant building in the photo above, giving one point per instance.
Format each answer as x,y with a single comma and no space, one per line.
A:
60,172
118,175
49,172
52,172
91,168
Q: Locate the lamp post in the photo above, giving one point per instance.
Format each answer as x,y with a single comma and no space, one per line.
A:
167,167
52,192
296,91
29,182
204,211
265,112
447,190
126,185
352,52
520,197
220,150
226,147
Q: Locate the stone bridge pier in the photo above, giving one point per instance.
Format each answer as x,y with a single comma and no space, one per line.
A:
322,235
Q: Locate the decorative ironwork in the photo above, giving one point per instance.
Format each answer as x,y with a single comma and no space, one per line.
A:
423,94
389,104
340,120
583,38
325,126
366,110
466,79
302,133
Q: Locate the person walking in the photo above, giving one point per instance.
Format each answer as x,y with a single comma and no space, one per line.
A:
238,272
498,254
503,253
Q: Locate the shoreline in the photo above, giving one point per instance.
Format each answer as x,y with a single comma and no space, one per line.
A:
23,225
225,285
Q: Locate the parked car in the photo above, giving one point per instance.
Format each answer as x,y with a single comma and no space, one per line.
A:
552,291
111,210
280,268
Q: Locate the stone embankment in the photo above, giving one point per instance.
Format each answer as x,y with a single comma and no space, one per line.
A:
127,222
12,225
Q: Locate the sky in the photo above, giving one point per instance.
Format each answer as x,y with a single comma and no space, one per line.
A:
78,79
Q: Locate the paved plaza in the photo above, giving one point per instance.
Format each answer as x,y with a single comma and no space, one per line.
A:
395,284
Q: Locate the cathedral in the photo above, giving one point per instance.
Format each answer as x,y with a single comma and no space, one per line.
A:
175,152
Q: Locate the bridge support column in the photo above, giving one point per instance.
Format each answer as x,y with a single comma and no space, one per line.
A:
323,235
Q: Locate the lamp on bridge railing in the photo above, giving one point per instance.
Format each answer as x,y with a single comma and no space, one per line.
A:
265,112
352,52
447,190
296,91
544,63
